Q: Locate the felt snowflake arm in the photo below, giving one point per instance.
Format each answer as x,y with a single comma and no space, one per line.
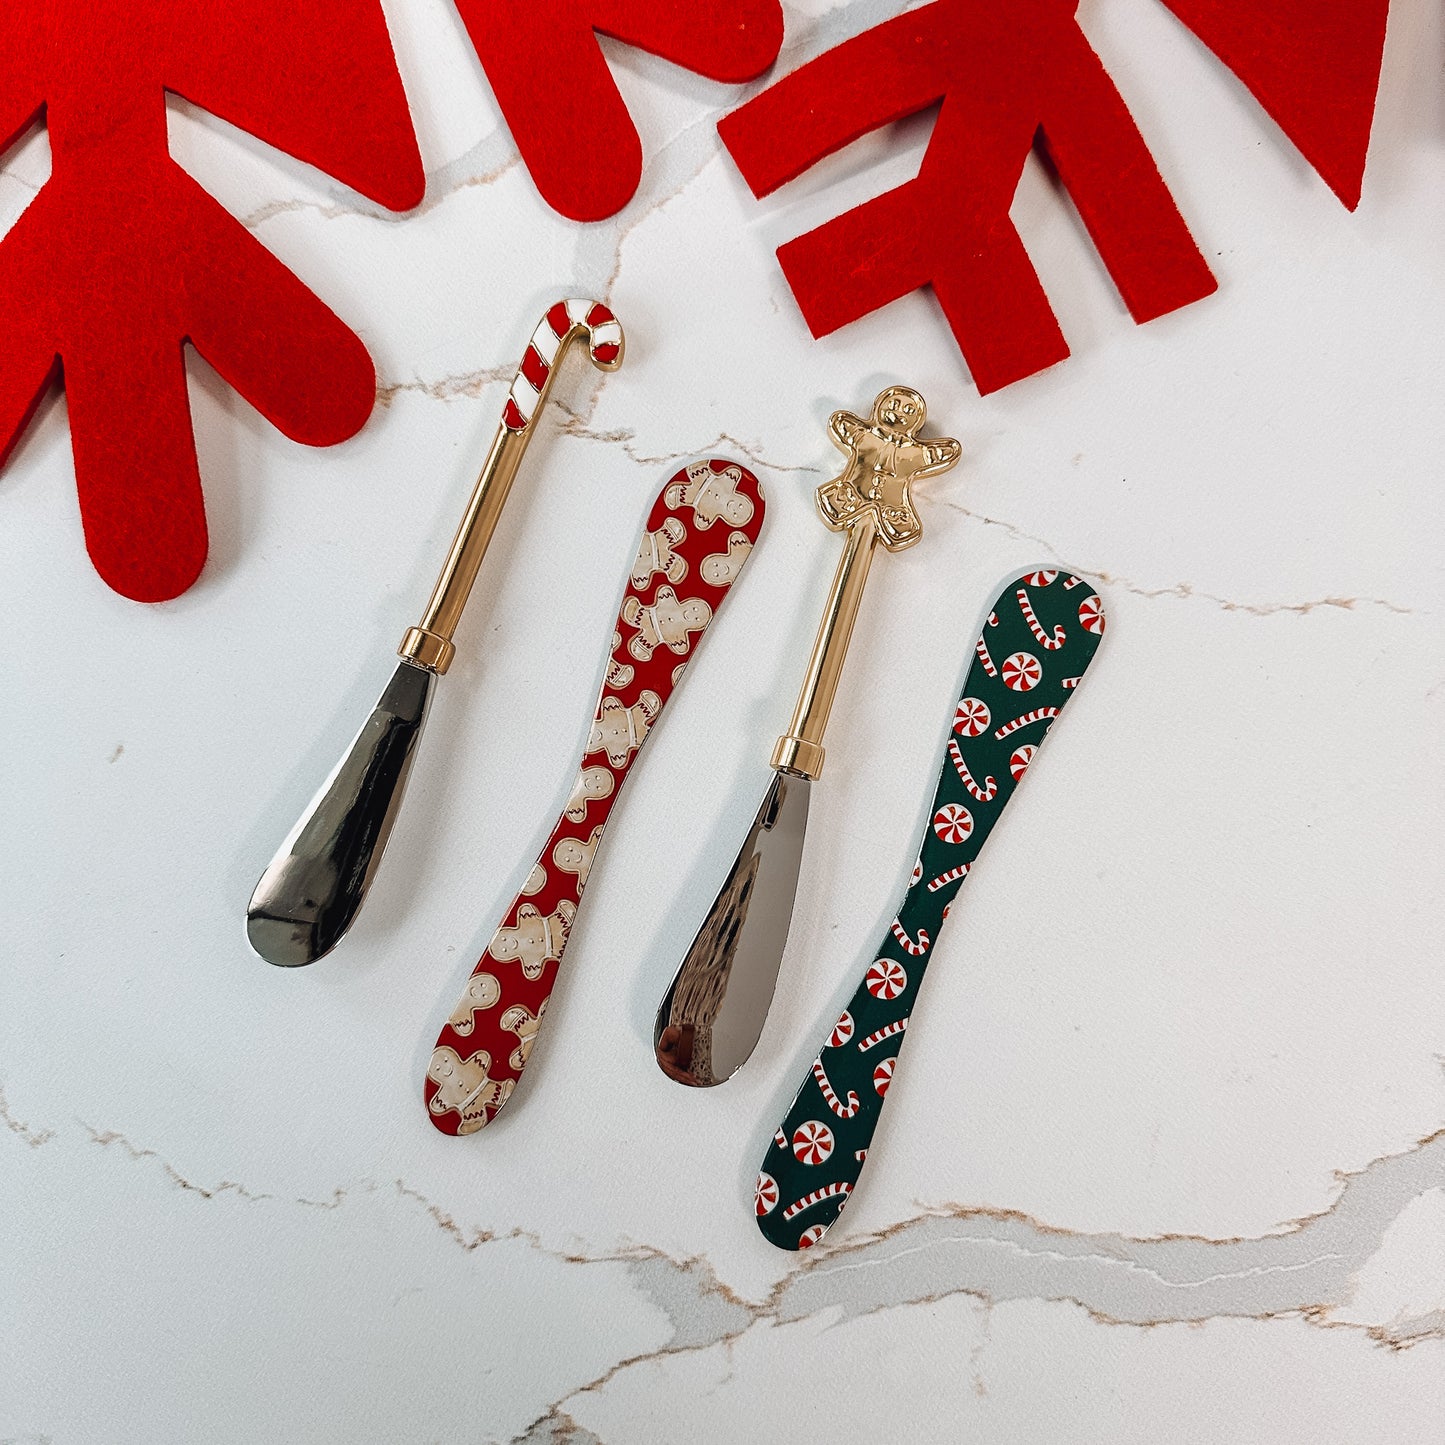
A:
316,81
27,359
558,96
1107,169
293,359
1314,65
1005,74
22,87
122,258
727,42
869,81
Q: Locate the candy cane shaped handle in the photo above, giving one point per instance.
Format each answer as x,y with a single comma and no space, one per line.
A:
681,576
429,643
566,322
819,1180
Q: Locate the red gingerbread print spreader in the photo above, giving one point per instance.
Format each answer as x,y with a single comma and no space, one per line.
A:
697,538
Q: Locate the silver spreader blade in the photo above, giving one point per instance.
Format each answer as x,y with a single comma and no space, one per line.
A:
713,1015
308,897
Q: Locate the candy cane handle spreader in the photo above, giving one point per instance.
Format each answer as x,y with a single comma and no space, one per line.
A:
315,885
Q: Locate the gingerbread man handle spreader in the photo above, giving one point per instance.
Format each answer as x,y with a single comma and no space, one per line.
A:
1040,637
713,1013
316,883
698,536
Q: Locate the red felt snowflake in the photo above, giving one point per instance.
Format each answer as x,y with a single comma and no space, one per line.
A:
122,258
1010,76
560,100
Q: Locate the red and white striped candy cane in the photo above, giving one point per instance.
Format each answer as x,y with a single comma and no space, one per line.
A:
1022,721
842,1110
1040,636
907,944
984,794
1069,682
981,647
874,1039
828,1191
566,322
943,878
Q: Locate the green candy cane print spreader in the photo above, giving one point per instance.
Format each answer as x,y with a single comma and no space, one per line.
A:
1040,636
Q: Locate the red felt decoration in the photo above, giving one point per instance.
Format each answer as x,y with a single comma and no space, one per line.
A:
560,100
1009,77
1006,75
1314,65
122,258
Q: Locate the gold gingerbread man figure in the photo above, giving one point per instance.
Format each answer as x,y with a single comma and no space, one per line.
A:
884,457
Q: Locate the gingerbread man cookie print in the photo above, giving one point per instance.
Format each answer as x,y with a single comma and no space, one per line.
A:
885,457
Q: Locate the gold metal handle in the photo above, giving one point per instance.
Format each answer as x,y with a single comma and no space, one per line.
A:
800,749
429,644
870,500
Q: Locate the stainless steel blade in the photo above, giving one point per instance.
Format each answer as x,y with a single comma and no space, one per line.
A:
308,897
713,1014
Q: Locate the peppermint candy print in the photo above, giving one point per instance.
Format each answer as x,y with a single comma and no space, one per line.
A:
765,1195
953,823
1020,759
1016,687
812,1142
971,718
886,979
1023,672
1091,616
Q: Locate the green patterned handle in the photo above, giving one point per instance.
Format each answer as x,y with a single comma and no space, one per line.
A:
1039,639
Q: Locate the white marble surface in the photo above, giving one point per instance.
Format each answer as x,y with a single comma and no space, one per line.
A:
1165,1162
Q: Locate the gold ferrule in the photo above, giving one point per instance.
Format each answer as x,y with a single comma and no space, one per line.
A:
800,749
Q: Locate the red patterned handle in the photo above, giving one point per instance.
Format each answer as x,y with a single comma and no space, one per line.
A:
699,533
